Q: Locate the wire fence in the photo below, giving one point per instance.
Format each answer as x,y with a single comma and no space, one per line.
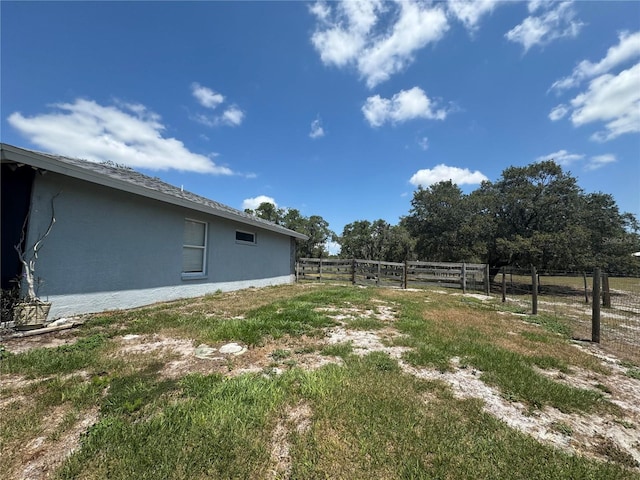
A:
610,315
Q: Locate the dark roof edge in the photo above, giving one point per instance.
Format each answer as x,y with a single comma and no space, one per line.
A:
42,161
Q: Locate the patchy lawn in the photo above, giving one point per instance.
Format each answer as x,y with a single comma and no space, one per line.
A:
317,381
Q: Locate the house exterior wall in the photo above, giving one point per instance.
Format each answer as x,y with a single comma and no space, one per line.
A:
110,249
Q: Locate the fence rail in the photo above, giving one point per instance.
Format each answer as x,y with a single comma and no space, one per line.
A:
465,276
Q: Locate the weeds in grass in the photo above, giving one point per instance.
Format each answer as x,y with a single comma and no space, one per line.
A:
63,359
562,428
633,373
342,350
551,323
365,323
280,354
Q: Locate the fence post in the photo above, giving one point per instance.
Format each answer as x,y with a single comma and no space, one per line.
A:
586,292
353,271
534,291
404,274
378,275
606,295
320,270
504,285
297,271
487,285
595,307
464,277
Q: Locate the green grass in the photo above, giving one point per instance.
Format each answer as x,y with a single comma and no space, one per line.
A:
342,350
511,372
365,323
366,418
63,359
368,421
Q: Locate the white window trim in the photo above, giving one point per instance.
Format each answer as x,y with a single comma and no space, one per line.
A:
203,273
244,242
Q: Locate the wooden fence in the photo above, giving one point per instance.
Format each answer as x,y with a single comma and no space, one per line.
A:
466,276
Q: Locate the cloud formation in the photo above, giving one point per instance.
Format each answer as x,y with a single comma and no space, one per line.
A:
207,97
613,93
316,129
561,157
547,21
600,161
127,134
403,106
614,99
210,99
564,158
253,203
377,38
626,50
442,173
558,112
469,12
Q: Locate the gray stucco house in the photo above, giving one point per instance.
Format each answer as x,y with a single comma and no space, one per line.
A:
122,239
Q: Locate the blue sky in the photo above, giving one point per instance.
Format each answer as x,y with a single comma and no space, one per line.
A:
336,109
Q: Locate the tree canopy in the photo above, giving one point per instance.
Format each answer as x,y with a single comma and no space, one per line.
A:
376,241
315,227
533,215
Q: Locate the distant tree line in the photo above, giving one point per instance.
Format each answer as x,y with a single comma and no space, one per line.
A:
535,215
315,227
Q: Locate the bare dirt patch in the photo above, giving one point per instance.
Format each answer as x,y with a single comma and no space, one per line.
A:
577,433
47,340
296,419
54,443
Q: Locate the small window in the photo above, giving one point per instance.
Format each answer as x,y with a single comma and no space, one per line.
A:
245,237
194,247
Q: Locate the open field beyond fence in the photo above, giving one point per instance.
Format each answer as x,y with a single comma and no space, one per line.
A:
570,297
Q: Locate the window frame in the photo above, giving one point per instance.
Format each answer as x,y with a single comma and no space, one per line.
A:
204,248
246,242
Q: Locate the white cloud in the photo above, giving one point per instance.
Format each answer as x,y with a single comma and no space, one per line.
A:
626,50
442,172
600,161
127,134
378,38
614,99
561,157
233,116
205,96
316,129
321,10
558,112
556,20
565,159
404,105
423,143
333,247
611,97
469,12
255,202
